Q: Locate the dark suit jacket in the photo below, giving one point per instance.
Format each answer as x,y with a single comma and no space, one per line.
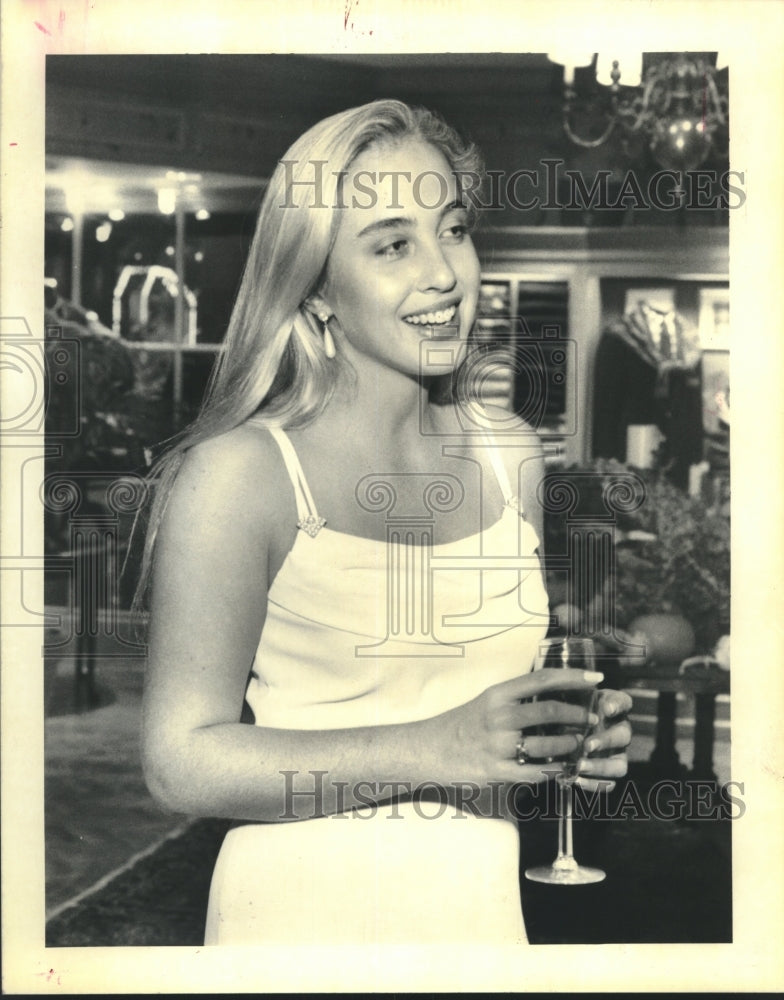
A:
629,389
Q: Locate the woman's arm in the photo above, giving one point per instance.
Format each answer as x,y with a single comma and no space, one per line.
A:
225,532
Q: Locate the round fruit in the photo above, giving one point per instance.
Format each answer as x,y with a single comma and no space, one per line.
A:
667,637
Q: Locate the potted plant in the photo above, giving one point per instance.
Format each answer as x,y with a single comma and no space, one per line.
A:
671,578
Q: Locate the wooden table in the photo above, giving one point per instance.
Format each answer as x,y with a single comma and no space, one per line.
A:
703,685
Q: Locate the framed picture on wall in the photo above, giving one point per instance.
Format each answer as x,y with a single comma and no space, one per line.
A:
714,319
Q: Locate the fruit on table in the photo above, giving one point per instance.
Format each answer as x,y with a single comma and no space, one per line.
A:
667,637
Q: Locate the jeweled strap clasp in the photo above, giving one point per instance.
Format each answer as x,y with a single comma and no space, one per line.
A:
312,524
514,503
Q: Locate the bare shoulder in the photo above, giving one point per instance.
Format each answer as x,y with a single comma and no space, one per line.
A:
230,482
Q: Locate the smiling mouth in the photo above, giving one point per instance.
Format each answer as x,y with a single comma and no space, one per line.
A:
438,323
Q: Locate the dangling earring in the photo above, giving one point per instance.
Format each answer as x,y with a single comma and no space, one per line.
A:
329,343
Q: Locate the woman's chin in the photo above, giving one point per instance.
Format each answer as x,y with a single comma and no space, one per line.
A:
445,332
442,354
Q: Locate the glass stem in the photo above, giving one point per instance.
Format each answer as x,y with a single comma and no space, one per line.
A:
565,844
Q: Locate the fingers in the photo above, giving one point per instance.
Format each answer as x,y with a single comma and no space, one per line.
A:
545,713
554,747
616,737
604,767
536,773
614,703
539,681
593,773
542,728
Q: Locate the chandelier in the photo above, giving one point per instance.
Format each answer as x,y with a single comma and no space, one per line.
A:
676,102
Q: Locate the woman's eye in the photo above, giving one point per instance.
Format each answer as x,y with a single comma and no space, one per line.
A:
455,233
393,250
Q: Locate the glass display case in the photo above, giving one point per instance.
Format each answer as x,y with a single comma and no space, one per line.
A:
150,259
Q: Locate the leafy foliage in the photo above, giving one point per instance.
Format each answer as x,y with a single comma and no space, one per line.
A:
672,553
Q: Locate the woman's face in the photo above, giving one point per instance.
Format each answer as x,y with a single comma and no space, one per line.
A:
403,271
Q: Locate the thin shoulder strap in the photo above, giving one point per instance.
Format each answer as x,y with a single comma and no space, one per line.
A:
501,475
306,508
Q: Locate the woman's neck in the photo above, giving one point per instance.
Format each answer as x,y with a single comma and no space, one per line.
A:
386,408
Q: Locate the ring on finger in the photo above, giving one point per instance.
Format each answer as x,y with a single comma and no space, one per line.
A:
521,754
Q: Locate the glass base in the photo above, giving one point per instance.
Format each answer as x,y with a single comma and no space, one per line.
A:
557,874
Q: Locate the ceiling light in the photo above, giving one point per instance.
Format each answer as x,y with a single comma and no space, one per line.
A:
676,101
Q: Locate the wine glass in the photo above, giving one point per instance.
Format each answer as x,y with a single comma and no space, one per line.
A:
561,653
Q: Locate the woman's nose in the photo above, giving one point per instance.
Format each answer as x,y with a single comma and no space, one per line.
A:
436,271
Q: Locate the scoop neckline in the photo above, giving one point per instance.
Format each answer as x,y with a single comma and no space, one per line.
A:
364,540
303,540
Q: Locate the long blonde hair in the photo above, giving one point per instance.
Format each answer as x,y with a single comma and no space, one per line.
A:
273,362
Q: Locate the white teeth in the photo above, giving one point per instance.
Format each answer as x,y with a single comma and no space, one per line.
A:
433,318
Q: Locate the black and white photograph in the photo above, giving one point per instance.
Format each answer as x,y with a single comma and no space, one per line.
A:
378,519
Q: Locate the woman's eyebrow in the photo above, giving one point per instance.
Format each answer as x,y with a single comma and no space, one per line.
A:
404,220
458,203
382,224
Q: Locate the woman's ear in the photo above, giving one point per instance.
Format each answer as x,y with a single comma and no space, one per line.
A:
316,305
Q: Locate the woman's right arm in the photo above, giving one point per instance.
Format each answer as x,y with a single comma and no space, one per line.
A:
224,524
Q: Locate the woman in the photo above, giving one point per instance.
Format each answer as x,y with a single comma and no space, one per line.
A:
314,535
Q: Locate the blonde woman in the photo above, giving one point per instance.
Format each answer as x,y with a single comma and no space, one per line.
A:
327,546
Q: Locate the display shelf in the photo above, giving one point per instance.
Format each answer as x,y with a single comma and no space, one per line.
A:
586,267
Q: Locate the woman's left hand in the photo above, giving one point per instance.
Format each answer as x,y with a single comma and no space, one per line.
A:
605,757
